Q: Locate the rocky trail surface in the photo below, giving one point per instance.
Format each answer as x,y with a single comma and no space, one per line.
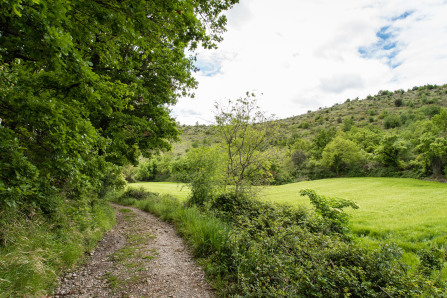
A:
141,257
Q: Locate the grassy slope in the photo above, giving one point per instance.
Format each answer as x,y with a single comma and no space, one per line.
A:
408,211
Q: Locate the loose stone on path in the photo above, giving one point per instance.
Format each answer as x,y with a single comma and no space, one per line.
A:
141,257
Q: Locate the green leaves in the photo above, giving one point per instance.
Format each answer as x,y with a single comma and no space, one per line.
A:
331,210
340,154
87,85
245,132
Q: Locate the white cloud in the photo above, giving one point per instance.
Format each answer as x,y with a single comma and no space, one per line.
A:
305,54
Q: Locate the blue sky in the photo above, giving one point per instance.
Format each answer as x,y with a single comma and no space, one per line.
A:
302,55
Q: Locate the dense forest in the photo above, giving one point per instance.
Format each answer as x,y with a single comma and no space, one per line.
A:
392,134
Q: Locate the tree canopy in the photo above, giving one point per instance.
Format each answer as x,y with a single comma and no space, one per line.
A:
86,86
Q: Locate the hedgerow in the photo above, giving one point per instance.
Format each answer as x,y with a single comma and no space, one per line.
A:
268,250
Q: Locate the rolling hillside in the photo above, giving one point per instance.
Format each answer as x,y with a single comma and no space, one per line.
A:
400,108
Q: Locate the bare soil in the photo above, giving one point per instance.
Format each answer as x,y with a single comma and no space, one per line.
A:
141,257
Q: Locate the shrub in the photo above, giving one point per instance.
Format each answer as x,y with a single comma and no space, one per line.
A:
398,102
392,122
138,194
431,111
254,249
304,125
129,173
146,170
331,210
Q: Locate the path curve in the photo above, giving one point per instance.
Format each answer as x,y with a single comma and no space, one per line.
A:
141,257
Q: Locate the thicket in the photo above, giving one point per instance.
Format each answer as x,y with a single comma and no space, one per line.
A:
254,249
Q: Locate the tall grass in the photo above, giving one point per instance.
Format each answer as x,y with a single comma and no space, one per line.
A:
205,233
35,251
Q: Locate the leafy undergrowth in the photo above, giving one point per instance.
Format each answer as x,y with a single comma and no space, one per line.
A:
36,249
251,248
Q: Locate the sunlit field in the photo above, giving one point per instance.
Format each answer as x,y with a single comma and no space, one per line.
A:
410,212
179,190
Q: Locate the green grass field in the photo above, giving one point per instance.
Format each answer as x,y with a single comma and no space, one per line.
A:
179,190
410,212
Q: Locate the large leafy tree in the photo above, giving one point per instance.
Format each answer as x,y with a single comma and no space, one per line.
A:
341,154
87,84
433,146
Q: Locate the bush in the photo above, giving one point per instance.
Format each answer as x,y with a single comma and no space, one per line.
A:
146,170
254,249
291,252
304,125
398,102
138,194
431,111
392,122
331,210
129,173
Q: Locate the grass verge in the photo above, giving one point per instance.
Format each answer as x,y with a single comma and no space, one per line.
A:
36,250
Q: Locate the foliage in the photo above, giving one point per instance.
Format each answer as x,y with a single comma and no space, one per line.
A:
391,122
85,85
205,174
137,193
85,88
255,249
320,141
433,145
391,152
331,209
129,173
147,170
407,122
341,154
245,132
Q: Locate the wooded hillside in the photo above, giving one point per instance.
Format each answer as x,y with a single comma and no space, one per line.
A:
399,133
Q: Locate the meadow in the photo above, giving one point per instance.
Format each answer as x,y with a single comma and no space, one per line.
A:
409,212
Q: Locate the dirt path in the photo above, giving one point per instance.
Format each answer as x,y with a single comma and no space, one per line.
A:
141,257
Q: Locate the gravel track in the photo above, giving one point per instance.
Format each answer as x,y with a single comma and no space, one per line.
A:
141,257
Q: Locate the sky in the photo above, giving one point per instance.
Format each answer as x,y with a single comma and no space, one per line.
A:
300,55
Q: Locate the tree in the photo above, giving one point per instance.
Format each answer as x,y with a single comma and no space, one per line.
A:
205,172
341,154
246,132
86,86
433,145
323,137
392,152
